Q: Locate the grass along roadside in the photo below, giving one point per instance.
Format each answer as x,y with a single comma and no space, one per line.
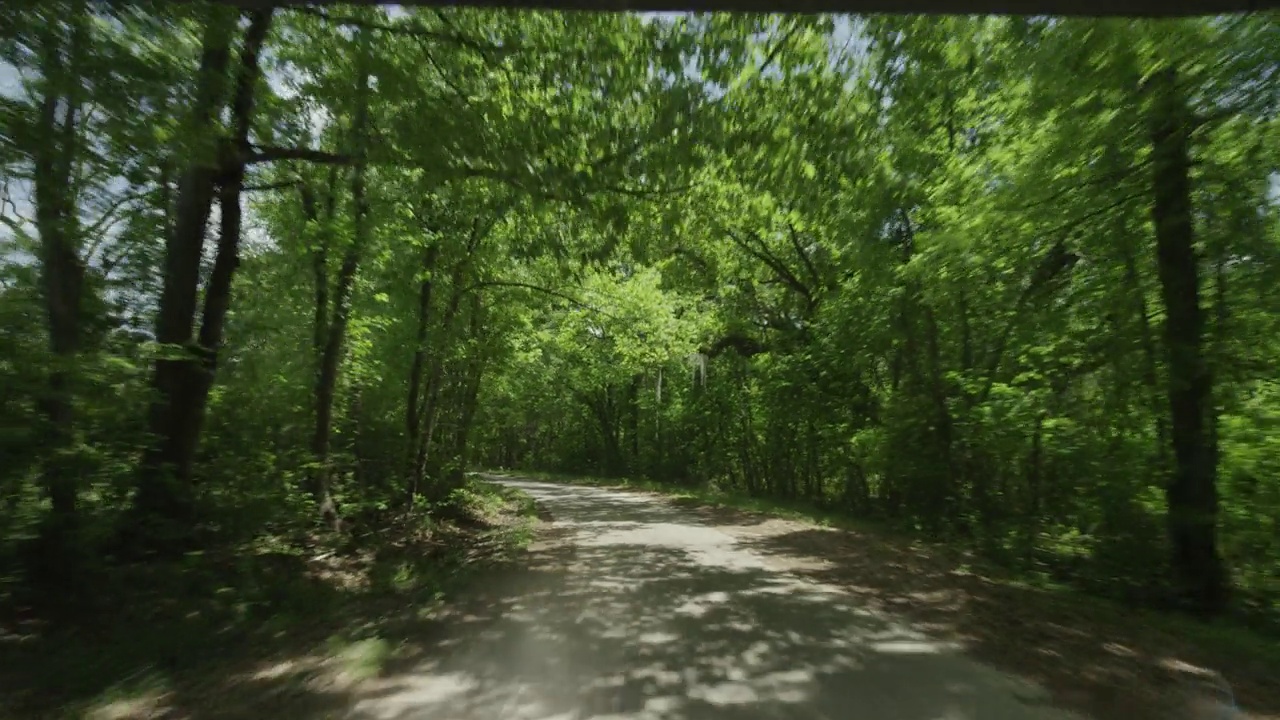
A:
283,626
1100,656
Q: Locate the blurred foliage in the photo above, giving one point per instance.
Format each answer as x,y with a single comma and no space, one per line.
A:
901,268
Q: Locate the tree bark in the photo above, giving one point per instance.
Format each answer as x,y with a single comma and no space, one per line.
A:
430,404
467,410
62,270
335,339
413,406
163,485
1192,490
320,254
190,395
633,422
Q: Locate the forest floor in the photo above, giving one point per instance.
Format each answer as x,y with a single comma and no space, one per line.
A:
281,627
1094,656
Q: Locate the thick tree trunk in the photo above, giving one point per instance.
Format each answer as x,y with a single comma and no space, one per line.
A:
61,268
326,383
163,486
1192,490
217,300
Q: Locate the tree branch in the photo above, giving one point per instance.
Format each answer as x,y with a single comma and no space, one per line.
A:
1112,178
804,255
642,192
270,153
108,214
480,284
777,266
281,185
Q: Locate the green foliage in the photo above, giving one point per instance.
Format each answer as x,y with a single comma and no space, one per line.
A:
920,283
903,268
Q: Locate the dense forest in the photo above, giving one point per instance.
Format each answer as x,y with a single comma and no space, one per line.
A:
1008,282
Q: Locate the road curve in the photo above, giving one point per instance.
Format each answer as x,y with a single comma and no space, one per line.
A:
636,610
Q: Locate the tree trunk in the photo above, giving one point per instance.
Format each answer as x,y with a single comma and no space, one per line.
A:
335,338
430,403
470,395
163,485
320,255
61,268
633,421
944,434
602,407
1150,370
413,407
1221,320
1192,490
1035,482
429,415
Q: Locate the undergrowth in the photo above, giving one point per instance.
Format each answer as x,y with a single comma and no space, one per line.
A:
168,631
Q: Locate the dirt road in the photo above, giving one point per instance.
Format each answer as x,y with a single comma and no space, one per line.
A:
634,609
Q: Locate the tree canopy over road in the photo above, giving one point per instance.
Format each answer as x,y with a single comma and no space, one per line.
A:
1008,281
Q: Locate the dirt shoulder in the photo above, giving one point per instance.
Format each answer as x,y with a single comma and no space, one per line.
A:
1108,662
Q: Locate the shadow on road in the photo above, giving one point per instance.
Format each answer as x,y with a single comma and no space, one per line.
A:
1104,664
627,608
646,615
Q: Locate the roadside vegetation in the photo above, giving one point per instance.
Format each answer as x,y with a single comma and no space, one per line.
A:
273,279
281,619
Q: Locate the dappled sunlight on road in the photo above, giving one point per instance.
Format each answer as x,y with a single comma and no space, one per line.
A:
638,611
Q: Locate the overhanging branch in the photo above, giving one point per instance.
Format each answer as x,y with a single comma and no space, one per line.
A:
480,284
261,154
283,184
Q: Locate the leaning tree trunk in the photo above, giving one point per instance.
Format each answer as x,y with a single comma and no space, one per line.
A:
1192,489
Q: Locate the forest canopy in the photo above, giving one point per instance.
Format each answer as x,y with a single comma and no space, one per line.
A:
1007,281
